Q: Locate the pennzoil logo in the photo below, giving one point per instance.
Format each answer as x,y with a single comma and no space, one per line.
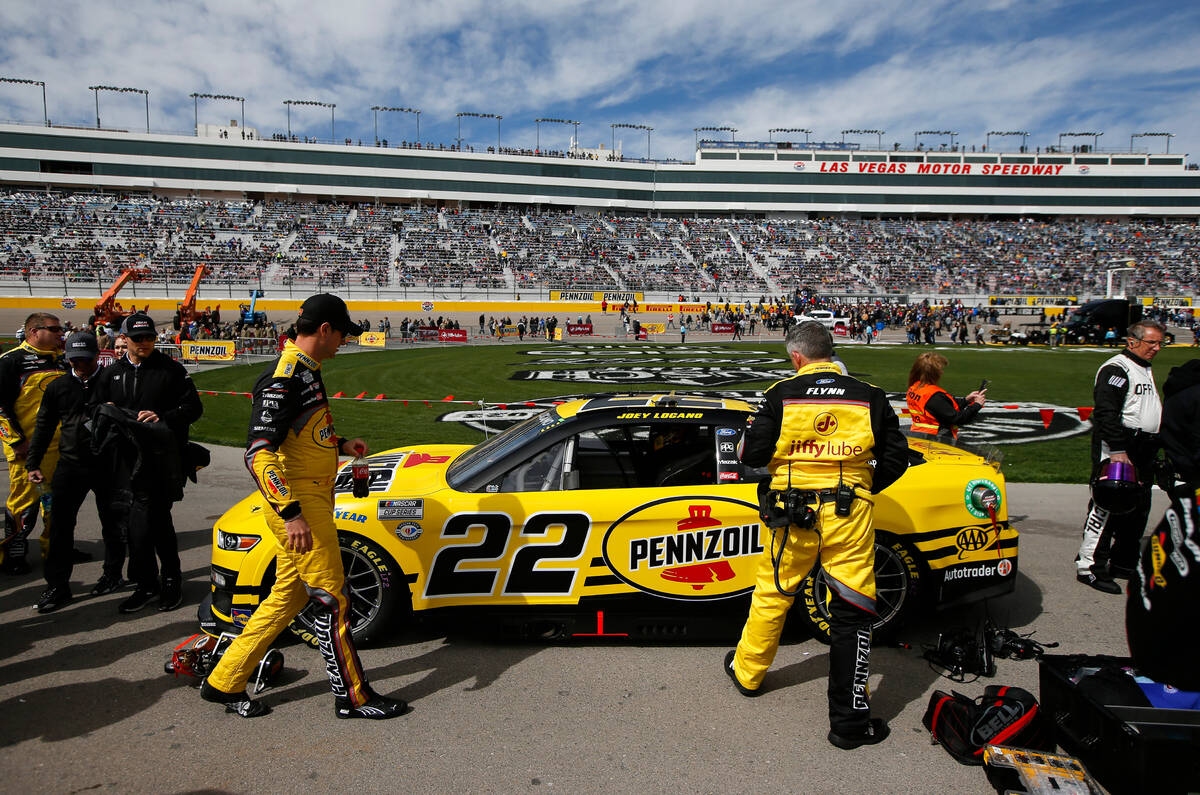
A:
276,483
712,553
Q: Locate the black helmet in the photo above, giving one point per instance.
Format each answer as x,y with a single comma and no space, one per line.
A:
1115,488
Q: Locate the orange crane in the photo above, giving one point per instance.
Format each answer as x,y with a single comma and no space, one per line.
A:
107,309
187,309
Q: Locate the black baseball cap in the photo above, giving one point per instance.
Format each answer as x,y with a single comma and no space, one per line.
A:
137,325
327,308
82,345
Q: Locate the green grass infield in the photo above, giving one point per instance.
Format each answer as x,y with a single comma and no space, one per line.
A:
511,372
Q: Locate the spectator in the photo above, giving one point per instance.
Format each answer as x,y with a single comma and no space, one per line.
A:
155,392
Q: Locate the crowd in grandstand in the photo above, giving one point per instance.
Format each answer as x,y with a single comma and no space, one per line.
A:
90,237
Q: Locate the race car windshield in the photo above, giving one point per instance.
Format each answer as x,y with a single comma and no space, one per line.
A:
471,463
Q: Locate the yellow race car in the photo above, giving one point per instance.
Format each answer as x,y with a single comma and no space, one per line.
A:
623,516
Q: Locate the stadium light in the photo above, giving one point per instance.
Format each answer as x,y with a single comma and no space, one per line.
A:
771,132
460,115
376,108
1095,136
877,133
987,141
330,105
919,133
631,127
196,106
1166,135
697,130
97,89
23,82
538,133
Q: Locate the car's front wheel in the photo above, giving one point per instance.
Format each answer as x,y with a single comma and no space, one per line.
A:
897,587
375,585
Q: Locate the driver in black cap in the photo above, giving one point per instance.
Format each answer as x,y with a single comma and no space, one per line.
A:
66,403
153,388
292,453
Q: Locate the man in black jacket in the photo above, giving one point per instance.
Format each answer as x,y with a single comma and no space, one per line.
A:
66,403
158,389
830,442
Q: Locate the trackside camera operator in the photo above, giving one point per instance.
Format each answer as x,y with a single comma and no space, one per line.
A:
817,432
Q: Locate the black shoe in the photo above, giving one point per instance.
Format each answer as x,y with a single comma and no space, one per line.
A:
79,556
107,585
235,703
378,708
1119,572
14,566
137,600
876,732
1098,579
54,597
745,691
172,594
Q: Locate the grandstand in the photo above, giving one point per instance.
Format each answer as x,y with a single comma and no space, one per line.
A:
743,220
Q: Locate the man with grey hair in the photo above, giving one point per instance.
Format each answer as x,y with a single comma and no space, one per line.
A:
1125,418
829,442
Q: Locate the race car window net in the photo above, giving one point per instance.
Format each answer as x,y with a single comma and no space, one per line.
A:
472,463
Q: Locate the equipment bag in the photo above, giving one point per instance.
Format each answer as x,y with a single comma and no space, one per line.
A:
1003,715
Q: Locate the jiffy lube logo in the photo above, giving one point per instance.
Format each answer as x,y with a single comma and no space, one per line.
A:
690,548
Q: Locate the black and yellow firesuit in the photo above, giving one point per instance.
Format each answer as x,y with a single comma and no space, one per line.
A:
292,453
815,430
25,372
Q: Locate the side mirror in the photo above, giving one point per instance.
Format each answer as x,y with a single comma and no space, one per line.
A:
571,480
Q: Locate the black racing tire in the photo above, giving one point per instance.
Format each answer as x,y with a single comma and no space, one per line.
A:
377,589
897,590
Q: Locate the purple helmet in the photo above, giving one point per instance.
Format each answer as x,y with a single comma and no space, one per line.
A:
1115,487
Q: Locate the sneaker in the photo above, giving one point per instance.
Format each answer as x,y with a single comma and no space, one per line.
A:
745,691
238,704
108,584
137,600
54,597
79,556
172,594
876,732
1099,580
378,708
14,566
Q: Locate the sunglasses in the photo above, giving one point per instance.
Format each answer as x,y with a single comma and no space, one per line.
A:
142,338
55,329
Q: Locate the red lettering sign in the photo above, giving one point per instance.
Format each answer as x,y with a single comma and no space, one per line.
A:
579,329
452,335
721,328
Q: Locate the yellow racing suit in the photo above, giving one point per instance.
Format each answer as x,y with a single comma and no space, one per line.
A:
25,372
814,431
292,454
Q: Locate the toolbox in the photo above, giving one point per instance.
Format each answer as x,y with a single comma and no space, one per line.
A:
1128,749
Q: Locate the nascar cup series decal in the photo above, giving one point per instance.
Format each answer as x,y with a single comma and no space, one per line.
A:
686,547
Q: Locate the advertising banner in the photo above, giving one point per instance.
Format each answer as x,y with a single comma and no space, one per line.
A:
579,329
597,296
452,335
654,328
721,328
372,339
210,351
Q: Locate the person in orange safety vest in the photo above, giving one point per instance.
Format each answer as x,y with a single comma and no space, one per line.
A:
935,411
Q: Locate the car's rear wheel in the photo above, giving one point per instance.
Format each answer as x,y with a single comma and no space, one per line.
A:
375,585
897,588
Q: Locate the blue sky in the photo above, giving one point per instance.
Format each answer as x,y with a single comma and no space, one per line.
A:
1046,67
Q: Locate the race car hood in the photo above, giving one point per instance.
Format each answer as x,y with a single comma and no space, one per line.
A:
944,453
413,471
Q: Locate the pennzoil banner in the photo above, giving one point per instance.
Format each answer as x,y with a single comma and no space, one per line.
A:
588,295
372,339
210,351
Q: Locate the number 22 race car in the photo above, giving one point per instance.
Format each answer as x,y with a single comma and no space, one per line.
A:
626,516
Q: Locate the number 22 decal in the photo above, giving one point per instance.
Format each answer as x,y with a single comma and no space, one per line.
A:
524,576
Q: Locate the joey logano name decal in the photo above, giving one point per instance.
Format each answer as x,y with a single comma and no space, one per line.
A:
705,549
